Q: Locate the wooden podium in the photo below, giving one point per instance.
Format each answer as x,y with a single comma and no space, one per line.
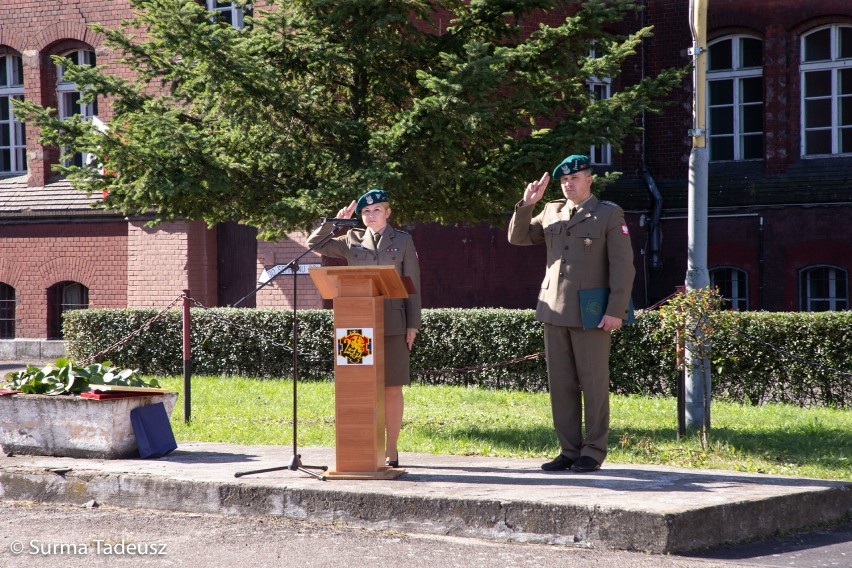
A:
358,293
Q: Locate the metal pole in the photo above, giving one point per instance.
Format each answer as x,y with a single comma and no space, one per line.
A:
187,359
698,371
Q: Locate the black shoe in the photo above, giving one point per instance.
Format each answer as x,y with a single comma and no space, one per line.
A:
392,463
585,464
559,463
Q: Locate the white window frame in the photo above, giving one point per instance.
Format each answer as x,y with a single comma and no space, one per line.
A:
12,87
738,301
834,64
737,75
600,89
236,14
67,89
837,299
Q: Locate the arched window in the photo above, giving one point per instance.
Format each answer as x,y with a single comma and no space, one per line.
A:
827,91
7,311
62,297
735,98
823,289
732,284
69,95
13,140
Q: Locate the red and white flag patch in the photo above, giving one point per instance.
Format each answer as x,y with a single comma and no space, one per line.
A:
624,229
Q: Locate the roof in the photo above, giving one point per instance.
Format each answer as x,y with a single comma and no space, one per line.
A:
56,199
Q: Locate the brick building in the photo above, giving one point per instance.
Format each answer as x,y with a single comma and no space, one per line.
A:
780,141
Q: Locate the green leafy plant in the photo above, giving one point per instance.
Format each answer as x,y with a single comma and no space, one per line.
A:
63,377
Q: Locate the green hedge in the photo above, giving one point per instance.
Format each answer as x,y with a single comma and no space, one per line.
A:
758,357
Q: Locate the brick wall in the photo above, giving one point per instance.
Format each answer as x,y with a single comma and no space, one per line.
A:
37,30
165,260
279,292
771,244
34,257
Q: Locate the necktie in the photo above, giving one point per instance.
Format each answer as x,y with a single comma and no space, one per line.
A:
572,212
376,238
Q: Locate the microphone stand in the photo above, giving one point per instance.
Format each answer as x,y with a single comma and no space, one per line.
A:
296,461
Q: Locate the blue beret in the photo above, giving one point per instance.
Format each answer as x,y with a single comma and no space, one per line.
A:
571,165
372,196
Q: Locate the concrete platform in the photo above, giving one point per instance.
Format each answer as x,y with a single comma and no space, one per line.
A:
629,507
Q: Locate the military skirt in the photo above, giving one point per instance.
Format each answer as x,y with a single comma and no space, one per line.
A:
397,371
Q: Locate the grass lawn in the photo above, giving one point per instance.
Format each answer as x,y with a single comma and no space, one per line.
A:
773,439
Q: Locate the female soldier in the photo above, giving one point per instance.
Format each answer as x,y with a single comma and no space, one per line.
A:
380,244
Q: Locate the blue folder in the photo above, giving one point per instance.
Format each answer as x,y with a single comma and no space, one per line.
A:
154,436
593,303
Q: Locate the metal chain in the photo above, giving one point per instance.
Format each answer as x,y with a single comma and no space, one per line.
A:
538,355
231,323
515,361
131,335
788,355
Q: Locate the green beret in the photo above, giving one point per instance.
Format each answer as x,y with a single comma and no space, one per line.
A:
372,196
571,165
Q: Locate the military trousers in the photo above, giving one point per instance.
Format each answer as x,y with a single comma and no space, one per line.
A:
578,378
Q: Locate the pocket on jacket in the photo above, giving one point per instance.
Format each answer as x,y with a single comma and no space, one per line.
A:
552,232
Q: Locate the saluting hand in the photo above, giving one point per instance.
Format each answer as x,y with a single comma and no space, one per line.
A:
347,212
535,190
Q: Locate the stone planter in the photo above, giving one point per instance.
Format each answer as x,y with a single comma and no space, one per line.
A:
72,426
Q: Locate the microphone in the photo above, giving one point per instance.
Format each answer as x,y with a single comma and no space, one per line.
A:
340,222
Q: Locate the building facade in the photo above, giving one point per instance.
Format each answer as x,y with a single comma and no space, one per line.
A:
779,87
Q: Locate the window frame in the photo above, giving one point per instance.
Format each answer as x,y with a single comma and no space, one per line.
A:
599,89
737,75
11,89
806,299
235,14
735,276
834,65
8,311
57,304
66,90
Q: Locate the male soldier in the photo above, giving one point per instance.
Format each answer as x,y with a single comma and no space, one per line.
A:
588,246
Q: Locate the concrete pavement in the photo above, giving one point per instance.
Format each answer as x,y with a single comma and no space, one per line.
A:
623,506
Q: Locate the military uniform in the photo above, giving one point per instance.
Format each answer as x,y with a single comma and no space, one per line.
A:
395,248
589,249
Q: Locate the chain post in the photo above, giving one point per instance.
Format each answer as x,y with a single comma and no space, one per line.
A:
187,360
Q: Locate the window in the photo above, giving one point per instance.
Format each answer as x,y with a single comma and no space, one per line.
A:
827,91
61,298
13,140
7,311
230,12
735,99
68,95
823,289
732,284
600,154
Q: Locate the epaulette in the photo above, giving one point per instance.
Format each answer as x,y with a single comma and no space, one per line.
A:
609,203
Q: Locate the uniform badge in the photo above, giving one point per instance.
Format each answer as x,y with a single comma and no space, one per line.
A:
624,230
587,241
354,346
